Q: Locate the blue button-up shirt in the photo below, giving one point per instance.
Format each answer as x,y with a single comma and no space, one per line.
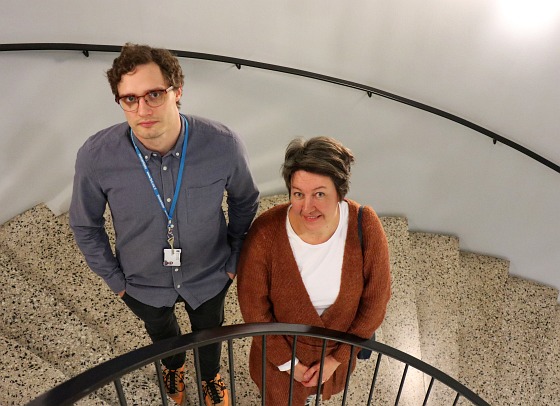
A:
108,171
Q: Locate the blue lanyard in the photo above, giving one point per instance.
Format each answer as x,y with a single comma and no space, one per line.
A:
169,214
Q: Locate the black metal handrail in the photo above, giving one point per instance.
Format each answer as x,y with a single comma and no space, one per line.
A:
87,48
89,381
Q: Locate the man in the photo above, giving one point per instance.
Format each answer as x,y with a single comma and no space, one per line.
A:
163,175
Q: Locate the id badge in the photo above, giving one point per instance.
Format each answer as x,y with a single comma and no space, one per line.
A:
172,257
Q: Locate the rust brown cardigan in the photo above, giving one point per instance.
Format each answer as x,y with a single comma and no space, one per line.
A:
270,289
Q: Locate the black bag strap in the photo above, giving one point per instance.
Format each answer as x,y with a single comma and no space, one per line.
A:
363,353
360,211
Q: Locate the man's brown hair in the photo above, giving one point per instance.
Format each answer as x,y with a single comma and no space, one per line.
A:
133,55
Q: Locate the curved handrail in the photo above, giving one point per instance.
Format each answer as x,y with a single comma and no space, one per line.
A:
86,48
89,381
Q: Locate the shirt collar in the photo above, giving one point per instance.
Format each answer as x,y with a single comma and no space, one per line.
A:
175,151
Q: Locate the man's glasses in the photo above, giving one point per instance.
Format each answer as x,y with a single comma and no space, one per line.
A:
154,98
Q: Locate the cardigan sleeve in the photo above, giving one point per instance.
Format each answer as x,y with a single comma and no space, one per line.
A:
377,283
253,288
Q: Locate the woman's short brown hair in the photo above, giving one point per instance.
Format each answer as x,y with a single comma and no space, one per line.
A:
133,55
320,155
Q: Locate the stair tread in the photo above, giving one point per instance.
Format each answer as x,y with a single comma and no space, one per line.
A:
55,262
24,374
526,313
435,259
400,328
482,286
550,373
41,324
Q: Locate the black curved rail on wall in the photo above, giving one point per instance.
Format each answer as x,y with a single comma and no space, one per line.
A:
89,381
87,48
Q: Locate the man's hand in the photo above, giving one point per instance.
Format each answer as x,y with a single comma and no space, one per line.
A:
121,293
231,275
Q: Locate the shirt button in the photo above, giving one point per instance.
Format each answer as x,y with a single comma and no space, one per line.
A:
146,157
177,154
154,154
176,269
168,199
165,168
178,286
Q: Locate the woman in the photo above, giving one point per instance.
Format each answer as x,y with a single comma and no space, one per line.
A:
303,263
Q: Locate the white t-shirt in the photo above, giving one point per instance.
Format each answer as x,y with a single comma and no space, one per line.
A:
320,265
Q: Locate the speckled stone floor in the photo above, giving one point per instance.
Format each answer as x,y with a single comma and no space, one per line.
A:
460,311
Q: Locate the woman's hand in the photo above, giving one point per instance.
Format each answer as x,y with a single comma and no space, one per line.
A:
311,376
299,372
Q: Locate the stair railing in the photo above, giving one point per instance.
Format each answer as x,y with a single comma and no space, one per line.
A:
87,48
111,371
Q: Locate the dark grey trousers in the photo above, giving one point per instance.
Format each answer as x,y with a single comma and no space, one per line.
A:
161,323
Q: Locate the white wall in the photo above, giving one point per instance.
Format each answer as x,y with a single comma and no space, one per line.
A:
462,57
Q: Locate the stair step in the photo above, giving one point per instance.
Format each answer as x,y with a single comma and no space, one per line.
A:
268,202
53,260
550,372
436,263
482,287
24,376
34,318
400,327
41,324
16,385
527,310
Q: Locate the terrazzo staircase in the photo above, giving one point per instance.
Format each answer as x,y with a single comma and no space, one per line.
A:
437,302
47,311
458,311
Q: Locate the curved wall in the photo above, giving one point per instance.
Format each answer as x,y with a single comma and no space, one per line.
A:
443,177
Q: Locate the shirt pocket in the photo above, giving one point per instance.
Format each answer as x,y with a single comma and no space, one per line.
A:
204,203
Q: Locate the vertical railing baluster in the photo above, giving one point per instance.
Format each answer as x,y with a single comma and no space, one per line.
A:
457,399
198,375
161,385
428,392
120,392
320,381
352,348
374,379
397,400
263,372
231,371
292,371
